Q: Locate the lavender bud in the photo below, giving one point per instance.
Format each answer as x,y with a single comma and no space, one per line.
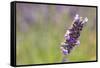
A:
71,40
76,17
64,51
67,35
85,20
78,42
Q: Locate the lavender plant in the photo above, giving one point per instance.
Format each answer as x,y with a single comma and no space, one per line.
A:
72,36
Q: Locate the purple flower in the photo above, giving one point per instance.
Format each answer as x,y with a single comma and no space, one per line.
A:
71,36
74,34
65,52
71,40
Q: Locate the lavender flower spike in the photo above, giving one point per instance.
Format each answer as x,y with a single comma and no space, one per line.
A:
72,35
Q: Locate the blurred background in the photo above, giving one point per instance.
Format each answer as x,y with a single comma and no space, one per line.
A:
41,29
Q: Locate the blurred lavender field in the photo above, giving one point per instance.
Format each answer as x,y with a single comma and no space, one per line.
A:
40,31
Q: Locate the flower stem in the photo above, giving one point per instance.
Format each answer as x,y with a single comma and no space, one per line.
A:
64,59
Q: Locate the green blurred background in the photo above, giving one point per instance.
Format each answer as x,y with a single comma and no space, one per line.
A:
41,29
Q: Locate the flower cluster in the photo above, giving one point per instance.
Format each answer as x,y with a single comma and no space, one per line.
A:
72,34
